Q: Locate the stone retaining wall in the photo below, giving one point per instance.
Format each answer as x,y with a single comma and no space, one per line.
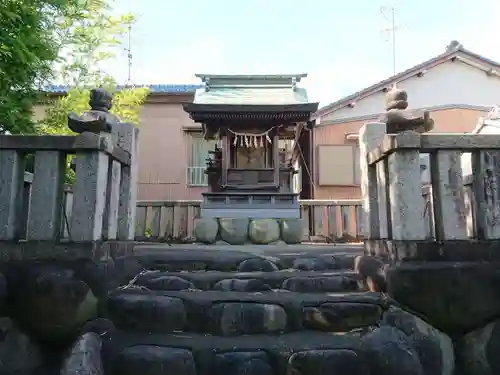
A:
248,231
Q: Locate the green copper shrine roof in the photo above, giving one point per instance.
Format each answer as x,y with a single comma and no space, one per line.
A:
259,90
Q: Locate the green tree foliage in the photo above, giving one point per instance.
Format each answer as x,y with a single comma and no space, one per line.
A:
29,45
67,40
126,105
90,40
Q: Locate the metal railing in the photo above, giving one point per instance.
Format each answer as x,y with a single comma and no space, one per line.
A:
195,176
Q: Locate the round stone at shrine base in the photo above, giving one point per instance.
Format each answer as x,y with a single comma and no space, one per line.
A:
205,229
234,231
291,230
264,231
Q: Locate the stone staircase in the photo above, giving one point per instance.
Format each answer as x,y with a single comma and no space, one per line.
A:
261,311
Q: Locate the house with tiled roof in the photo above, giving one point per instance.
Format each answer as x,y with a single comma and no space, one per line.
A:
171,149
457,87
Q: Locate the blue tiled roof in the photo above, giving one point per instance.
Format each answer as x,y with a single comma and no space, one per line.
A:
161,89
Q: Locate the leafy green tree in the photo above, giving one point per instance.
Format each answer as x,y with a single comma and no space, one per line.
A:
67,40
126,105
29,45
90,39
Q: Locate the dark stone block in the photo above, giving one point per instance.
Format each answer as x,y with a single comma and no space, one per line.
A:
169,283
175,259
477,351
256,265
154,360
312,264
248,285
435,349
84,356
3,294
341,317
319,284
146,312
493,348
327,362
206,348
231,319
52,300
243,363
99,326
208,279
436,251
18,353
126,268
389,352
454,297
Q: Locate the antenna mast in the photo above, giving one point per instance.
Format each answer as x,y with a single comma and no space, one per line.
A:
389,14
129,55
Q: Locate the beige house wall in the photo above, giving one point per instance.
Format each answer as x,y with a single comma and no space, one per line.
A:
334,162
165,146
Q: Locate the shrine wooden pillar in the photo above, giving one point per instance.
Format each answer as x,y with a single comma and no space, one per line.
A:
276,158
226,158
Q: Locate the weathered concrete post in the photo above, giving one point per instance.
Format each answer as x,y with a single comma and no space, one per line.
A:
11,181
126,136
91,196
370,136
405,189
44,217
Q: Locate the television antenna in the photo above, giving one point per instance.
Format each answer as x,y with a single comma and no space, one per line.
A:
389,13
129,55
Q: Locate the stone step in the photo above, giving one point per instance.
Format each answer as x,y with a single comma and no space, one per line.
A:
292,280
244,258
241,313
399,343
304,353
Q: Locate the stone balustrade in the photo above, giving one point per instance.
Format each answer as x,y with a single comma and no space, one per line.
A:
439,238
103,199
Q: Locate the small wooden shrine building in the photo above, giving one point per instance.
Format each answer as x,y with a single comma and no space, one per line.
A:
250,173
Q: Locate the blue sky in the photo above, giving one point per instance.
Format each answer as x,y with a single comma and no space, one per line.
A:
341,44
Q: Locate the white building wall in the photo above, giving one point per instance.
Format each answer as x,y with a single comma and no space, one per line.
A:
446,84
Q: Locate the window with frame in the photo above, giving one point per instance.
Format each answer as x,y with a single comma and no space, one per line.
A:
338,165
197,159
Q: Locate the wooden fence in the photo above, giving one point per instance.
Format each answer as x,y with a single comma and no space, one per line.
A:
324,220
161,221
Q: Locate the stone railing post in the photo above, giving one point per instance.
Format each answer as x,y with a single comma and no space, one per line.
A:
126,136
89,194
11,180
370,136
95,189
45,208
405,189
